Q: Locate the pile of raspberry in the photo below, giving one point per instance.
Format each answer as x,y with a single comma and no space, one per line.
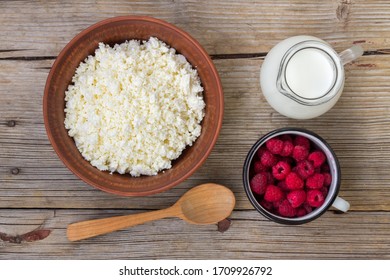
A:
290,176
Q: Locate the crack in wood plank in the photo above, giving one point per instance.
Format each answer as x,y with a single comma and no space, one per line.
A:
213,56
28,58
238,55
15,50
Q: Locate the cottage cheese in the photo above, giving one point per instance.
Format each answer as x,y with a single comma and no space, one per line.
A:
135,107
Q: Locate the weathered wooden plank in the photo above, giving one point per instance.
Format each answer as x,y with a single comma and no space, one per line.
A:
357,128
250,236
222,27
38,192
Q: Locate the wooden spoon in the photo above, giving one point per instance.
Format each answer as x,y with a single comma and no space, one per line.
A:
204,204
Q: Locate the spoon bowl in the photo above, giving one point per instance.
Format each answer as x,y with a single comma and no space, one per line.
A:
201,205
206,204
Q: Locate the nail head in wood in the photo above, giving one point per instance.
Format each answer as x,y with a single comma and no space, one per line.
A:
11,123
15,171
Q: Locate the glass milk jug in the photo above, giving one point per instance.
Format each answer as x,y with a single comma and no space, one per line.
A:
302,77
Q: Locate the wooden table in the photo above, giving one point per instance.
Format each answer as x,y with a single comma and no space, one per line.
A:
37,192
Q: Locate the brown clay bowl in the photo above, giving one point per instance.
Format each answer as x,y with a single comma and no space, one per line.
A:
117,30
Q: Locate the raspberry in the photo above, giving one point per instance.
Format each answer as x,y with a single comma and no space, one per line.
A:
307,207
274,145
267,205
283,186
281,170
286,210
300,153
261,150
259,167
315,198
288,148
270,178
293,181
302,141
301,212
317,158
296,198
327,179
305,169
273,193
268,159
315,182
276,204
259,183
324,191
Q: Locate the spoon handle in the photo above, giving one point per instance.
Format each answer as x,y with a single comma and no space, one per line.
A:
86,229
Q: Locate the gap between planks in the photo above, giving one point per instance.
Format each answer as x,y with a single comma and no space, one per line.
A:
213,56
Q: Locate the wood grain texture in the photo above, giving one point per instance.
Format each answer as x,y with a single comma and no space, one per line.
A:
359,122
38,192
250,236
222,27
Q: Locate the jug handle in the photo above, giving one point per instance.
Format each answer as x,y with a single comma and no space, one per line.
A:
351,54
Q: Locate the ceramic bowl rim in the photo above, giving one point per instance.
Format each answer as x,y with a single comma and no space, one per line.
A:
188,37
